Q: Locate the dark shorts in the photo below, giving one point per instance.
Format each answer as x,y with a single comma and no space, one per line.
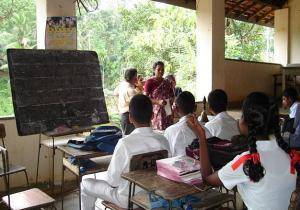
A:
127,127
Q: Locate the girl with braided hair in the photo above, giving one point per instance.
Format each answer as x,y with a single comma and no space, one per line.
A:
264,175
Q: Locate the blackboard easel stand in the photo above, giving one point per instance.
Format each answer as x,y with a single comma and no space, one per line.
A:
53,146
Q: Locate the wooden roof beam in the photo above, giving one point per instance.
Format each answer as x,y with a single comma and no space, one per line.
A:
234,7
261,9
266,15
246,9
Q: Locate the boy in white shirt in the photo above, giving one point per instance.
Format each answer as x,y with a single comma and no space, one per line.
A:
222,125
180,135
125,91
111,187
290,100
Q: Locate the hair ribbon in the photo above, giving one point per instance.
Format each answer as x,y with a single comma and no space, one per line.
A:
254,157
295,158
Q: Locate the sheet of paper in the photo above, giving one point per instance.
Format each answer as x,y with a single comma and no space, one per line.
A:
168,108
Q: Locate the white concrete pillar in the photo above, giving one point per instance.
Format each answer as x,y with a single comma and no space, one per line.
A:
41,17
51,8
210,35
294,31
281,39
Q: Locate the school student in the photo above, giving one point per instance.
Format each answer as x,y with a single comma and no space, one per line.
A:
222,125
264,175
111,187
125,91
290,100
180,135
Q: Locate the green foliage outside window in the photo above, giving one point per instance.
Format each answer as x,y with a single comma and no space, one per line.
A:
133,36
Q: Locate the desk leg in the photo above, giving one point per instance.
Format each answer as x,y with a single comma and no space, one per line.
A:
129,195
80,178
62,186
38,160
170,205
53,154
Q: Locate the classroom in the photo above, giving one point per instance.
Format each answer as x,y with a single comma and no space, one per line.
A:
154,142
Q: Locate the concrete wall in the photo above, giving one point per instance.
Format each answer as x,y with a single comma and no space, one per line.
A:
51,8
281,38
24,151
243,77
294,27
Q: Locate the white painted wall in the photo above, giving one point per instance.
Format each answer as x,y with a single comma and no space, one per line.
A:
281,39
243,77
294,35
24,151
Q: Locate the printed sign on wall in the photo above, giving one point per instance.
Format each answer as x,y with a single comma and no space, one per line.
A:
61,33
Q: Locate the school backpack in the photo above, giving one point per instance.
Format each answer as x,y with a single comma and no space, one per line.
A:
220,151
103,138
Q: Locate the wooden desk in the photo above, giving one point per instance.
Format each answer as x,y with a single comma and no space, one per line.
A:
103,160
54,142
151,182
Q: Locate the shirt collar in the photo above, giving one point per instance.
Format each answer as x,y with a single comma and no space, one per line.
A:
128,84
267,145
142,130
222,115
182,119
293,110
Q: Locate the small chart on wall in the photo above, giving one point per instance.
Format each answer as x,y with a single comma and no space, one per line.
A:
54,88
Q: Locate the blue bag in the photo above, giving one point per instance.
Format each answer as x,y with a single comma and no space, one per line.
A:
103,138
181,203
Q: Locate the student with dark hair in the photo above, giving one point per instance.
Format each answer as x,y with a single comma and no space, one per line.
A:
264,175
161,93
222,125
292,125
180,135
171,78
109,185
125,91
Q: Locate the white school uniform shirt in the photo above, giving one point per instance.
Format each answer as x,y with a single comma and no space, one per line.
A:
141,140
294,138
223,126
180,136
273,191
125,92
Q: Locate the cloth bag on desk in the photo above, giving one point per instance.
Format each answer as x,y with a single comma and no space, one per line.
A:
103,138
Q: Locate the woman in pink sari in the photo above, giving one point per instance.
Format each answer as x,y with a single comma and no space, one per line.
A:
161,93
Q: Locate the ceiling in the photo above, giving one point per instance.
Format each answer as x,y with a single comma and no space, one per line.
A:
254,11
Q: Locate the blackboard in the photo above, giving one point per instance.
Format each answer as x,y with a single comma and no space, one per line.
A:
52,88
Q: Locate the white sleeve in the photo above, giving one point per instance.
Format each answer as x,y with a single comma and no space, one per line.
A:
229,177
176,142
118,164
179,144
168,136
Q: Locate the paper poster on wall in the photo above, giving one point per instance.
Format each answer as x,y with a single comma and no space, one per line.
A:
61,33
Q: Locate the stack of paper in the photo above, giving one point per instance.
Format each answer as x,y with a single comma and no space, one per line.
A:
180,169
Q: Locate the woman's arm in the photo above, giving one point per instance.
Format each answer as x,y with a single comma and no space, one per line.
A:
208,175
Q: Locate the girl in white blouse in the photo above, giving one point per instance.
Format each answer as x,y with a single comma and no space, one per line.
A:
264,175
